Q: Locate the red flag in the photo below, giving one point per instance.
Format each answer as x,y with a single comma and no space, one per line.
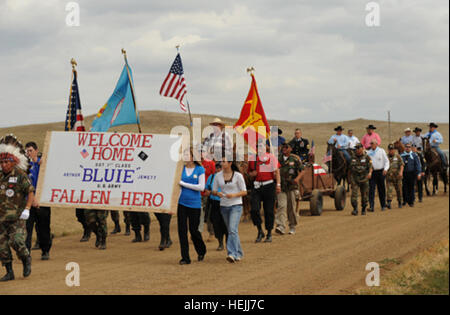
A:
252,122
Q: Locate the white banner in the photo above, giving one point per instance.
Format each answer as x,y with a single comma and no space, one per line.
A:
111,171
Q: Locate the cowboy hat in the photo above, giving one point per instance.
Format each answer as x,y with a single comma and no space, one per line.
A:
432,125
371,127
217,121
338,128
408,129
417,129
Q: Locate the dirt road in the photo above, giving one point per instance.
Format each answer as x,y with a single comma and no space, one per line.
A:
328,255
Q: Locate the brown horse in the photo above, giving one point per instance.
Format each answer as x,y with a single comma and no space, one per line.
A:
338,166
434,167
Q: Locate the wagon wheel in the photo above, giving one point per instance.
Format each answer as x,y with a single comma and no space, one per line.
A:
316,203
339,198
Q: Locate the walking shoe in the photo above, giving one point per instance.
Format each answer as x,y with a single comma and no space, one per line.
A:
371,209
102,243
116,229
220,248
201,257
168,243
162,244
268,239
355,212
292,231
279,230
400,205
86,235
237,259
184,262
146,236
230,259
9,273
45,256
26,266
420,200
383,208
259,237
137,238
411,205
127,230
388,204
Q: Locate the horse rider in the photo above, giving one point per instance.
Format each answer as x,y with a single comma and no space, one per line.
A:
369,136
436,140
417,140
408,137
361,172
412,172
341,142
300,146
394,176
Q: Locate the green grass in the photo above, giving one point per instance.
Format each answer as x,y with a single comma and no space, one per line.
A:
425,274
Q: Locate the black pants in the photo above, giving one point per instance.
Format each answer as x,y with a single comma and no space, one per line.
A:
164,225
377,182
420,189
266,195
81,217
189,216
41,216
409,183
115,216
220,229
138,219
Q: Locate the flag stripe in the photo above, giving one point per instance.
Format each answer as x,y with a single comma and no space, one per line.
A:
174,84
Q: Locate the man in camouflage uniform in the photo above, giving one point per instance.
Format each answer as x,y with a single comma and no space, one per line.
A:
115,217
16,198
290,174
361,172
96,221
394,176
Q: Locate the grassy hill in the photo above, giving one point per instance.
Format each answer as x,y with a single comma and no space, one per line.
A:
163,122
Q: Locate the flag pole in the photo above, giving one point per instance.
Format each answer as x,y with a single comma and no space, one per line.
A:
132,89
74,64
187,101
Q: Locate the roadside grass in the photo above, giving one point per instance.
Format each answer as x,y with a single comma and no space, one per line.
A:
425,274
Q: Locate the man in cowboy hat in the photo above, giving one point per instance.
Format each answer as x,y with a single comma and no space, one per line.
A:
369,136
218,141
436,139
408,137
16,199
417,141
341,142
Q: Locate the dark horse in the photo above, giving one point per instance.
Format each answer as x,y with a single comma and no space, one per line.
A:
338,166
434,167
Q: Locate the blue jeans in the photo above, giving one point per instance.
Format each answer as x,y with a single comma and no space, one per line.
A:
232,217
346,155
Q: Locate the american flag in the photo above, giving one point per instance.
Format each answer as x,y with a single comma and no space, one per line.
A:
175,85
327,157
74,118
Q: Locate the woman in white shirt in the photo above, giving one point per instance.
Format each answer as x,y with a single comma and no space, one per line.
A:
232,189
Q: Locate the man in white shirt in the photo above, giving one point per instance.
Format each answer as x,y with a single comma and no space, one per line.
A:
352,140
380,164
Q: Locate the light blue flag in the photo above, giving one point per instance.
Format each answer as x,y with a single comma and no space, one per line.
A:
120,109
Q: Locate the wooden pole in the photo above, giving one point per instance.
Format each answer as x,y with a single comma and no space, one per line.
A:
389,125
132,90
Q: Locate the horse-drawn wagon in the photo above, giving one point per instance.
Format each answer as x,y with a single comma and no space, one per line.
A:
316,183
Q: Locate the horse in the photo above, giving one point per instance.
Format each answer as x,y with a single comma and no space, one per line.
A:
434,167
338,166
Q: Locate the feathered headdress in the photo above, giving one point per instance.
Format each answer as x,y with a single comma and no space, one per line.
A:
12,149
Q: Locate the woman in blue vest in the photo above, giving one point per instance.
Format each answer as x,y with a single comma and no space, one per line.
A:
189,207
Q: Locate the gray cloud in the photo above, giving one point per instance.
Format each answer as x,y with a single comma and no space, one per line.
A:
314,60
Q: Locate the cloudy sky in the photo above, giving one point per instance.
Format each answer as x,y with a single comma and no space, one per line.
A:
315,60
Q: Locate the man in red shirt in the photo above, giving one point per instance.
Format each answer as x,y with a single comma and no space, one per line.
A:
264,169
369,136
